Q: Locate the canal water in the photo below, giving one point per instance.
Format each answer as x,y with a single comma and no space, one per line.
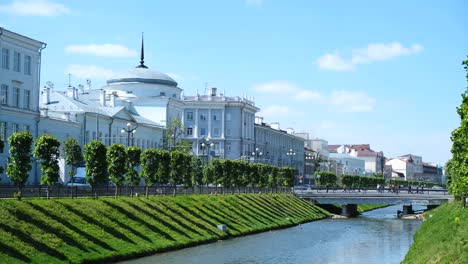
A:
374,237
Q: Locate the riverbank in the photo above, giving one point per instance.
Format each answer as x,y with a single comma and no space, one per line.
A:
91,231
443,236
336,208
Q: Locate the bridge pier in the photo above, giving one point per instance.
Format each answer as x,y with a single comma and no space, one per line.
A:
349,210
431,206
408,209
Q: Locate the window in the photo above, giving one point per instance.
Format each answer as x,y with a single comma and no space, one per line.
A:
173,96
228,132
5,58
215,117
87,136
202,117
189,131
27,65
190,116
16,96
3,131
4,94
228,147
27,99
94,135
15,128
162,94
202,131
216,131
228,116
16,61
26,128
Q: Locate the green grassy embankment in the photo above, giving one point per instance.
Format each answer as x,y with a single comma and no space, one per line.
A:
442,238
85,230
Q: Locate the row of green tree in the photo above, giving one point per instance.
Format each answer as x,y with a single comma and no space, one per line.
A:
330,180
128,166
457,166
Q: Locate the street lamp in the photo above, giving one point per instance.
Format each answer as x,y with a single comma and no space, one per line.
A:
257,154
130,130
308,158
206,144
291,153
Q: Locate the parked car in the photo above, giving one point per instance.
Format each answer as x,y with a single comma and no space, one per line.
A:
79,180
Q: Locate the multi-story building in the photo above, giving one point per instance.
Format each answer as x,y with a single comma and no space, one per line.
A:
278,147
347,164
410,165
219,126
374,160
20,66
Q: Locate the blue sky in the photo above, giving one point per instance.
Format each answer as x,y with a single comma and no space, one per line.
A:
384,73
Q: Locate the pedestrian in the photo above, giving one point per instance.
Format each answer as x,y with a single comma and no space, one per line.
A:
409,189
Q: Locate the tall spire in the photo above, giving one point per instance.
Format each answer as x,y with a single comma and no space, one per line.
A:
142,57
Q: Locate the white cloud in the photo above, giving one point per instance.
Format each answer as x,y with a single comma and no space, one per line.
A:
34,8
102,50
373,52
89,71
273,111
304,95
254,2
334,62
276,87
349,101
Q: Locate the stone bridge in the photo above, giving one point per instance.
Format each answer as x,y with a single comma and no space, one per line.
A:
350,199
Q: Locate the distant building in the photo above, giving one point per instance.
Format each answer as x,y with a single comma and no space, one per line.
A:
374,161
347,164
20,64
411,166
279,147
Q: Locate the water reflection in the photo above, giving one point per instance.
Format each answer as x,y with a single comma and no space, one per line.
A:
375,237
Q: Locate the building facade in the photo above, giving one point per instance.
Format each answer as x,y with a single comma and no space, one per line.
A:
20,67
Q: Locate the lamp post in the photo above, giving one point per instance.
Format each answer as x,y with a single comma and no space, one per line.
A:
130,130
291,153
309,157
206,144
257,154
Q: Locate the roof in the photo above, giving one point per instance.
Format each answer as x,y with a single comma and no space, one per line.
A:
333,148
143,75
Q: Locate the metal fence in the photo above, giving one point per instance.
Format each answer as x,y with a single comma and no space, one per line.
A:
7,191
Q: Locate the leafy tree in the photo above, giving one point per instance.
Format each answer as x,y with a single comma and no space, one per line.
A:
187,176
254,175
325,179
208,174
164,170
174,131
177,168
150,164
184,146
20,159
459,163
2,145
196,171
47,150
73,157
133,160
96,164
116,165
273,177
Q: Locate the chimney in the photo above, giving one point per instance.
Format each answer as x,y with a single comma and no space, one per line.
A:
112,99
44,112
102,97
213,91
46,95
71,92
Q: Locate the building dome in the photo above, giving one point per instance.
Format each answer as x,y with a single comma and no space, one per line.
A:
143,75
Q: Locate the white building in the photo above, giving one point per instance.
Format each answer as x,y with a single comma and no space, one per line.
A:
347,164
20,67
278,147
374,160
411,166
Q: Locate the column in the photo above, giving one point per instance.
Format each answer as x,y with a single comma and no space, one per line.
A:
223,125
195,133
209,123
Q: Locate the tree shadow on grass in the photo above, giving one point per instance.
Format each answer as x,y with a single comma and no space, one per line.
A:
256,206
213,215
110,230
221,216
132,217
180,215
203,217
129,228
46,228
66,223
247,212
27,239
159,211
14,253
